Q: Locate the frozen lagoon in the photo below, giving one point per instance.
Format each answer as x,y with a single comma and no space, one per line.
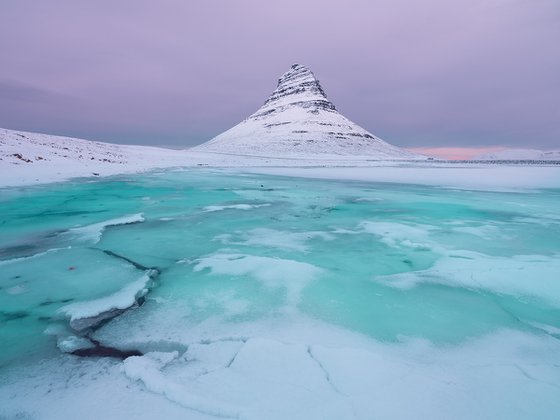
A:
275,297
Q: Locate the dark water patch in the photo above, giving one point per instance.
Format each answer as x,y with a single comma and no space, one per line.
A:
49,302
18,251
100,350
31,245
11,316
58,213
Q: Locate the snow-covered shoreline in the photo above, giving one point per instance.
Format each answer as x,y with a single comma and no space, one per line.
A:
31,159
467,176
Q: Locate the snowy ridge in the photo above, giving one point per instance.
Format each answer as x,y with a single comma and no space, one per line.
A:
27,158
520,154
298,119
20,147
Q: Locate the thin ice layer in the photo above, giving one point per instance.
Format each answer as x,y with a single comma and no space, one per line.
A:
88,313
523,276
274,273
92,233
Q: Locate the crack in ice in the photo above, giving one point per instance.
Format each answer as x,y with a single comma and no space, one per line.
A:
325,371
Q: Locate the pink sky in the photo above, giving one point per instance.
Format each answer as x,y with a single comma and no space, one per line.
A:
455,153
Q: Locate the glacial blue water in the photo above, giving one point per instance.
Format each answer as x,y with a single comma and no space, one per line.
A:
385,260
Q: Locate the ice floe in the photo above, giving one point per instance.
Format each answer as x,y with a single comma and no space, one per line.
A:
522,276
147,369
72,343
93,232
85,314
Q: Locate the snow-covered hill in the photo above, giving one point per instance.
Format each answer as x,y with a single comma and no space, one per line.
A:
297,119
21,148
520,154
27,156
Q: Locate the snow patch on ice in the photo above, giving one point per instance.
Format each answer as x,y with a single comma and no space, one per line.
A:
396,235
72,343
148,369
521,275
81,312
486,232
235,207
94,231
274,273
228,300
273,238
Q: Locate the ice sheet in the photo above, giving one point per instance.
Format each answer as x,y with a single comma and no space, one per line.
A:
523,276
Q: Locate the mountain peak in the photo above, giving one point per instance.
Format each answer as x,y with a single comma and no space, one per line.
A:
298,119
298,86
298,74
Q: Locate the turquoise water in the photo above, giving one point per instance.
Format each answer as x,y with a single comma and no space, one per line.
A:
386,260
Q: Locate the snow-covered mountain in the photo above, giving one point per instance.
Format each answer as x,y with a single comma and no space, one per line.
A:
298,119
520,154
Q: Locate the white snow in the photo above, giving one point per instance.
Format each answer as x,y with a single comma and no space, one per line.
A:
304,369
56,167
273,238
94,231
522,276
273,273
72,343
235,207
297,119
148,368
27,158
397,235
462,176
122,299
520,154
